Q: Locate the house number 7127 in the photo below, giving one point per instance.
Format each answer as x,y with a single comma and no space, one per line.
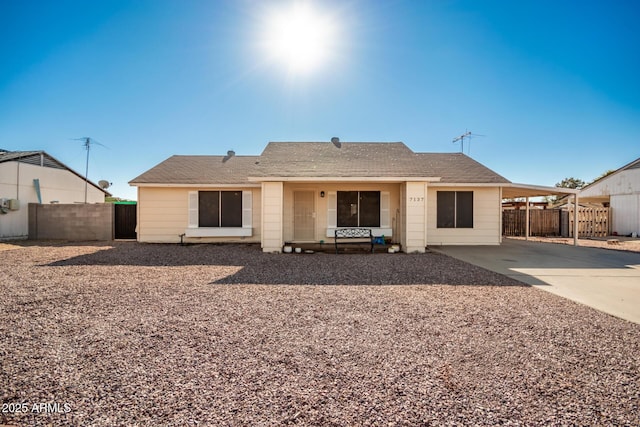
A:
416,199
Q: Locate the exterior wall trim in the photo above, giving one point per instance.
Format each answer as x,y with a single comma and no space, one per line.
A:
385,179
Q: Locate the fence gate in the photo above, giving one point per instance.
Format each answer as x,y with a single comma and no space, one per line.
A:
592,222
125,221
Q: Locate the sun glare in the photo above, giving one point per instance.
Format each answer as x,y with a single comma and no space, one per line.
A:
301,38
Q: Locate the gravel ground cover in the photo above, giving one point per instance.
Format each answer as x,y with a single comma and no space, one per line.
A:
134,334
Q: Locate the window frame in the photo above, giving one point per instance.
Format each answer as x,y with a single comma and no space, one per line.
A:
245,212
385,214
360,222
456,215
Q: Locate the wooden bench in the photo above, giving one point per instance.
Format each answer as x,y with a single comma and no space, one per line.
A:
361,236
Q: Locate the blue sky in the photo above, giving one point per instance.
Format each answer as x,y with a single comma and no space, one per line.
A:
554,85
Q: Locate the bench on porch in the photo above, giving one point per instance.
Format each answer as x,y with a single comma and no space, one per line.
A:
362,236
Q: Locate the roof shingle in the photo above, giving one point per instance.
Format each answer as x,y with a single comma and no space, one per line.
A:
321,160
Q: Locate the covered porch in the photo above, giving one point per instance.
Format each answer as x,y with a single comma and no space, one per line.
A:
306,212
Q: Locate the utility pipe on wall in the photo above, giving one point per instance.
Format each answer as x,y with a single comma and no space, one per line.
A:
575,220
526,220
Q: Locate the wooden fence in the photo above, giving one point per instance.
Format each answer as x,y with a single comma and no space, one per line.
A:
592,222
542,222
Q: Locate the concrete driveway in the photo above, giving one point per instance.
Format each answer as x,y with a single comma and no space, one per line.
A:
606,280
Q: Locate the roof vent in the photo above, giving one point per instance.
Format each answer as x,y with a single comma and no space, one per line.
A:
336,141
229,155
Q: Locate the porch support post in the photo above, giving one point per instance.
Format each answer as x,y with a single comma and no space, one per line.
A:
526,221
272,216
575,220
415,202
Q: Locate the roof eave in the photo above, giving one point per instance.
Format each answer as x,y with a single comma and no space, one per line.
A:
194,184
343,178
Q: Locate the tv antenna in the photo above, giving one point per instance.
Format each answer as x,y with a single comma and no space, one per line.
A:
468,134
87,145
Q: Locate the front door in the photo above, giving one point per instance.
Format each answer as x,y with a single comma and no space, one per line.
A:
303,216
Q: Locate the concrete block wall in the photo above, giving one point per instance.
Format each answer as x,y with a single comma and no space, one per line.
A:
75,222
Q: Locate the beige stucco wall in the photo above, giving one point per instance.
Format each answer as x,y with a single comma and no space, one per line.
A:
321,207
16,182
486,218
163,215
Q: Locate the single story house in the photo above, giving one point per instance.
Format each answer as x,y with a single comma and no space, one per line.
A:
303,191
620,190
36,177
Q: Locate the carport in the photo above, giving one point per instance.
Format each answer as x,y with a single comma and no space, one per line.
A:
513,190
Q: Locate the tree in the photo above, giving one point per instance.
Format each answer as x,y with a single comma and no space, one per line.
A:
571,183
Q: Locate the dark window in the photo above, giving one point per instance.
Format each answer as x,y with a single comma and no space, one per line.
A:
220,209
358,209
446,209
369,209
455,209
231,209
209,209
347,208
464,209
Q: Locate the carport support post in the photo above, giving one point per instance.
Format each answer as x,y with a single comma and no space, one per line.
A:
526,219
575,219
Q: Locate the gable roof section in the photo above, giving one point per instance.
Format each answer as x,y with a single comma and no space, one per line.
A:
632,165
324,159
37,158
321,160
200,170
41,158
369,159
458,168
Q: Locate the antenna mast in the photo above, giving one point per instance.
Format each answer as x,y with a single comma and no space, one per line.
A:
468,134
461,139
87,145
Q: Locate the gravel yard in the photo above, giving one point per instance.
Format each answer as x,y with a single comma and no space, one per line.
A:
134,334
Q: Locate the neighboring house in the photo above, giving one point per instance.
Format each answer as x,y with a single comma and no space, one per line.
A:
303,191
620,190
36,177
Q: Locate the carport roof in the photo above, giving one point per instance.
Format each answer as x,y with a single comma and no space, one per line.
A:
513,190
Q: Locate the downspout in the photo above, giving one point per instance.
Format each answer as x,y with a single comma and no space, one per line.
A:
500,213
526,220
18,180
575,220
36,184
424,221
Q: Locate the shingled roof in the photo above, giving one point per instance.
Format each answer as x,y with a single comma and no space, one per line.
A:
41,158
321,160
200,170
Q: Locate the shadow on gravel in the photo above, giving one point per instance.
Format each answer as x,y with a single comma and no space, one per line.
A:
298,269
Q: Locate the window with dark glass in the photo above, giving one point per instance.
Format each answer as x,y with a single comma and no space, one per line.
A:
358,208
220,209
455,209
